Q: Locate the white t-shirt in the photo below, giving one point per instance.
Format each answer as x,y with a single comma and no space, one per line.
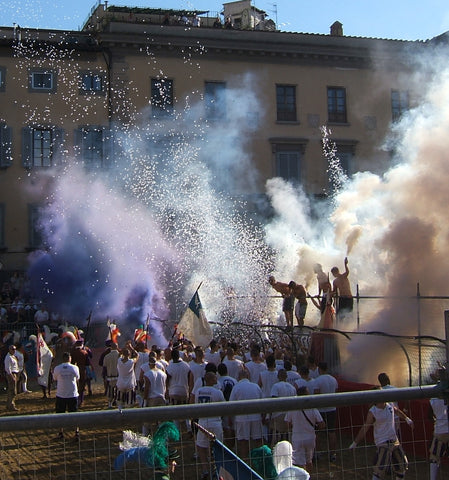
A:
20,360
234,367
292,377
209,394
384,426
143,369
268,378
66,375
325,384
197,369
158,381
179,378
110,363
302,382
279,364
282,389
126,376
255,369
246,390
142,359
213,357
11,363
303,429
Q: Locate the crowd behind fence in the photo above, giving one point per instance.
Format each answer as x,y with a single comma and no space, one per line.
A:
29,451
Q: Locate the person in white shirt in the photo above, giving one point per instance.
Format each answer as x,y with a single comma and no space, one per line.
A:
278,425
226,385
200,382
255,366
155,386
66,377
160,359
303,423
126,380
23,377
326,383
268,377
12,377
155,381
313,367
248,428
142,359
440,440
385,384
292,375
305,380
41,316
233,364
207,394
389,450
213,354
197,368
110,365
178,378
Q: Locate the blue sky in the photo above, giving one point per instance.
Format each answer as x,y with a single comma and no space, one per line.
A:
398,19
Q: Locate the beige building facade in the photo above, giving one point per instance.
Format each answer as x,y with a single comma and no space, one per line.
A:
67,97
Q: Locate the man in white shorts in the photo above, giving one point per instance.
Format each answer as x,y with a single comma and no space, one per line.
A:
326,383
207,394
248,428
278,425
178,379
110,365
304,423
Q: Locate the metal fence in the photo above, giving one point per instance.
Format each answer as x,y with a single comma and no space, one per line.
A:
31,449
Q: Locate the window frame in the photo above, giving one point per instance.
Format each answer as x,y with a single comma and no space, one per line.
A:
42,71
90,160
45,147
53,144
281,146
215,100
5,145
92,75
293,173
2,79
337,105
2,225
161,105
283,112
35,239
398,105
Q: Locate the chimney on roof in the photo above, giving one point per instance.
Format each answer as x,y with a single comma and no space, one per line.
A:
337,29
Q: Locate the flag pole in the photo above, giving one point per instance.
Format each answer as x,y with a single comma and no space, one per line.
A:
87,327
147,328
38,351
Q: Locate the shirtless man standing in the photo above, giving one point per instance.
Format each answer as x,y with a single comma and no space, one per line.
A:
324,286
342,290
299,292
289,299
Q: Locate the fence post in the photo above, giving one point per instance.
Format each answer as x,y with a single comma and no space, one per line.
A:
418,298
